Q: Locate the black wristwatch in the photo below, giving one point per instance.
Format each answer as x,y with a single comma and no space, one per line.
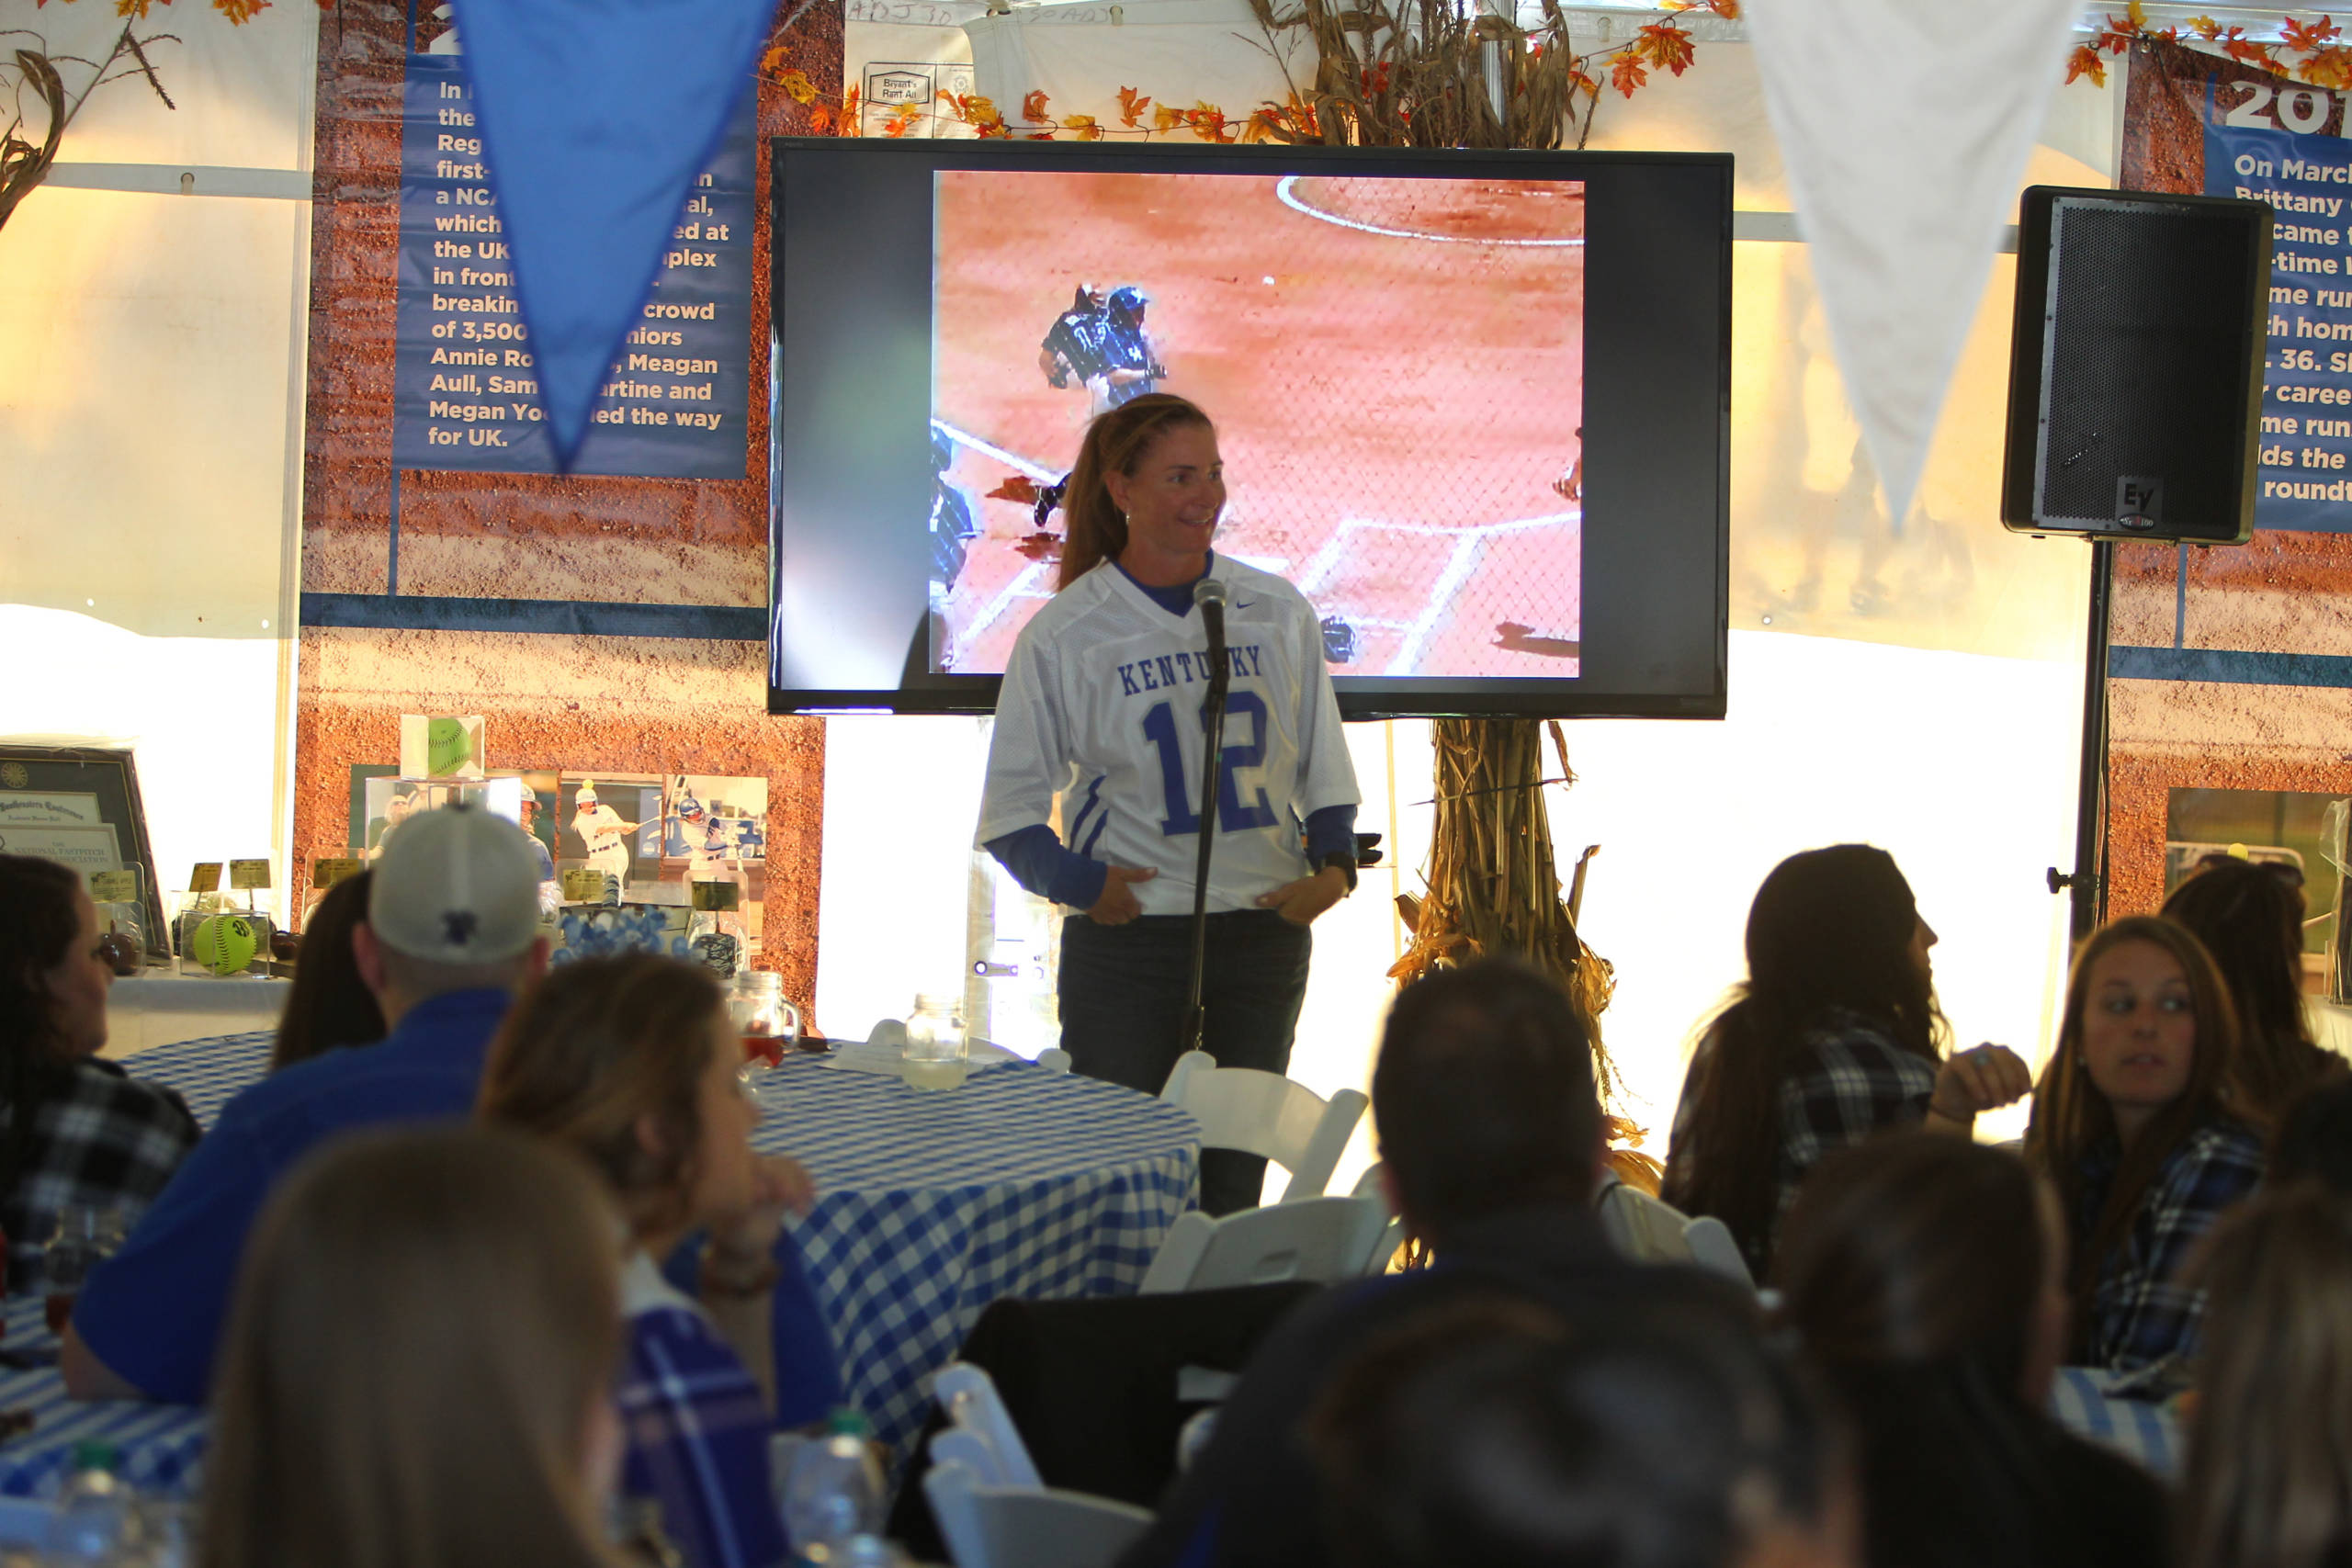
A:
1345,862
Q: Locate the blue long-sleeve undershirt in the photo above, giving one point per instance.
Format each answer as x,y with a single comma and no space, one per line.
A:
1041,862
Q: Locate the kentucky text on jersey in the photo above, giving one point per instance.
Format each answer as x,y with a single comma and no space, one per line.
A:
1183,668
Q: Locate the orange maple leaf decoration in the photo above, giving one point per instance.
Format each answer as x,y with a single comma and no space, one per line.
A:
1580,78
902,119
135,9
1083,126
796,85
2205,27
2304,38
1627,73
2085,62
1664,43
1164,119
1207,121
1131,106
1019,488
2329,67
1033,108
848,113
240,12
820,121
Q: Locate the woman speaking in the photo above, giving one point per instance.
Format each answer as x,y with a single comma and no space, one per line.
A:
1103,707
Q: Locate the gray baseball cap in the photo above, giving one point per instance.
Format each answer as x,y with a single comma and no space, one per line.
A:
456,886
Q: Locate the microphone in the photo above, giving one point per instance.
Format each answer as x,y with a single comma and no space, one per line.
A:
1208,596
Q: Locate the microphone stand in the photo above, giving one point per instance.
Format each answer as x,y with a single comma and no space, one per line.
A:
1210,596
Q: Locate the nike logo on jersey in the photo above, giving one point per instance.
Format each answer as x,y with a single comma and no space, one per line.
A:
1183,668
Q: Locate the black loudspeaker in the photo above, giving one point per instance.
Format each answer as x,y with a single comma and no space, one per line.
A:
2135,367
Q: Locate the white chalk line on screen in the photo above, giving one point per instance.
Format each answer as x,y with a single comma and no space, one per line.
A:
1470,544
1042,474
1285,192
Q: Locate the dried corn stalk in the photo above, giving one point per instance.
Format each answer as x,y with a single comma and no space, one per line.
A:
1416,74
1493,887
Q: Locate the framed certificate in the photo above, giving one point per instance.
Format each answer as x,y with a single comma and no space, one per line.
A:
79,805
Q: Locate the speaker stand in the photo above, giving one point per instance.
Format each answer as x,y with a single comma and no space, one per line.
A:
2086,887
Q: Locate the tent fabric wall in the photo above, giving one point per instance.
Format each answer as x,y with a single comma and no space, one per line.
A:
150,362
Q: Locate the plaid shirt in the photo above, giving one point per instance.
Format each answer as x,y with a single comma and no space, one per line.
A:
106,1139
2141,1313
696,1431
1850,1081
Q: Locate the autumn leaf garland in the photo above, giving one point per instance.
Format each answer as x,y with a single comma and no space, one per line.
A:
2325,61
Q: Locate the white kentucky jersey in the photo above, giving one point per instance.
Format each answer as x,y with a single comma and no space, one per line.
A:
1101,705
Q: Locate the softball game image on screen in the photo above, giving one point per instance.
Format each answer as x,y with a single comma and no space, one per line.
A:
1396,368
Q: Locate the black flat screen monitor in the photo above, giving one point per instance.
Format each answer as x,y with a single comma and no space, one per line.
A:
1474,405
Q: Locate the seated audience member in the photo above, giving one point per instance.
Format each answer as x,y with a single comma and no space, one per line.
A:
633,1063
418,1371
2137,1124
2249,915
329,1006
1490,1433
2269,1482
2315,1139
1926,1279
79,1129
1489,1130
1834,1037
452,933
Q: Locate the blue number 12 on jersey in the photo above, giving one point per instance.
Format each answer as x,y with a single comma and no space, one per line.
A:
1232,816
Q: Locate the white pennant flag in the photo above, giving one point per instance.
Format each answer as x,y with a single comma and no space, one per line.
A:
1904,126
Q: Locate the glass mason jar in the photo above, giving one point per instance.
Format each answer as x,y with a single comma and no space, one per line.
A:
770,1025
937,1055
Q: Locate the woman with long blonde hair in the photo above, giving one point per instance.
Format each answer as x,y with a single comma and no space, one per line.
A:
1101,734
2269,1482
418,1371
2139,1122
632,1064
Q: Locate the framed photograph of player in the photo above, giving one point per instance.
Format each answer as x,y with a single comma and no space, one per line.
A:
613,823
80,806
1472,406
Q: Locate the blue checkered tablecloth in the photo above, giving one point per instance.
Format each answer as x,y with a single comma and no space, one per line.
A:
932,1205
161,1446
2083,1401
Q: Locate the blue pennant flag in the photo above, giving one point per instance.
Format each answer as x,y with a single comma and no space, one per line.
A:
596,116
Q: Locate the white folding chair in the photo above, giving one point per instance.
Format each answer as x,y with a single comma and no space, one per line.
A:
1392,1234
1026,1526
1268,1115
1315,1238
982,1434
1639,1227
1713,1248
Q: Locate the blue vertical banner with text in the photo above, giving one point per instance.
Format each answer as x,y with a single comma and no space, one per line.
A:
465,392
2265,142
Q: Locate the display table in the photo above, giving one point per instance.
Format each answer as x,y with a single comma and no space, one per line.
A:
161,1009
1023,1183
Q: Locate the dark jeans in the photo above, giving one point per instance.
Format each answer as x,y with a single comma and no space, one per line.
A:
1123,994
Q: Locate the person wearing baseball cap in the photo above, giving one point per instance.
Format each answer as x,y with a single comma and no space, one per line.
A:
452,934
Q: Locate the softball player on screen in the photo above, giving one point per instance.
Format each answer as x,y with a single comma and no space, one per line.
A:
1101,706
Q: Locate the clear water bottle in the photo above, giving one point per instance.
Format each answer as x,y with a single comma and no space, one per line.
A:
833,1494
94,1521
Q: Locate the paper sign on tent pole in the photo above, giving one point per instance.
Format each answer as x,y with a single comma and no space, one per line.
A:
1904,126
